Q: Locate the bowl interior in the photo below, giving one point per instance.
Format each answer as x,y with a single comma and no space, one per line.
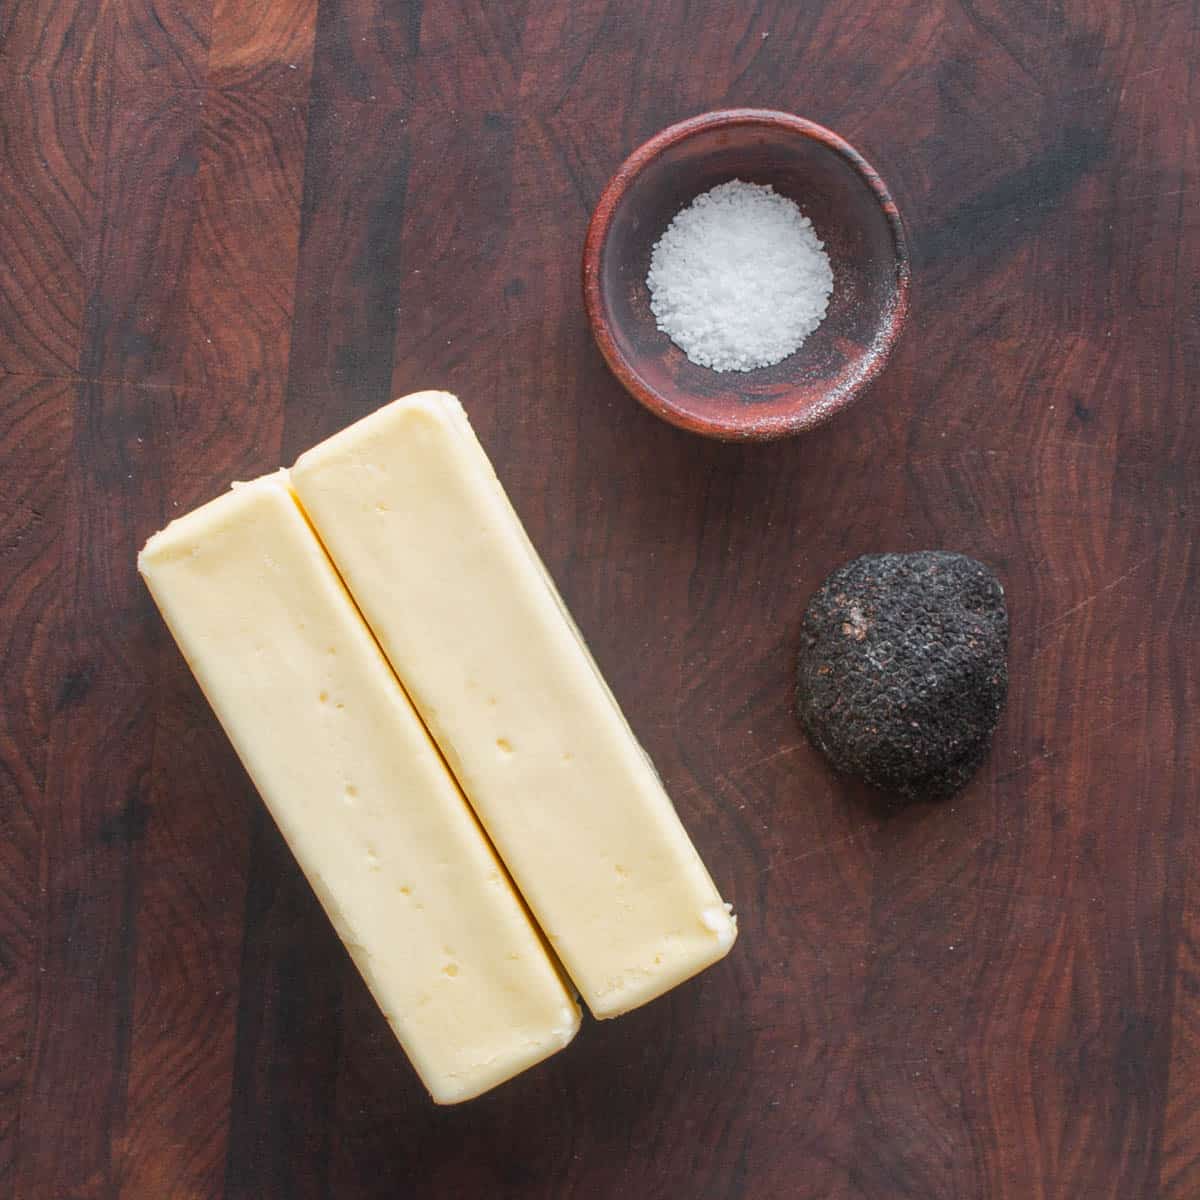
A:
836,359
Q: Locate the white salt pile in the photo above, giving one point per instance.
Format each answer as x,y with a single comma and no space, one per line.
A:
740,278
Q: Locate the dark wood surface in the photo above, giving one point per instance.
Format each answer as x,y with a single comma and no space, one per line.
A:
229,227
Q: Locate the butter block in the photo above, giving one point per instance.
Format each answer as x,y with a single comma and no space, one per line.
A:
409,508
359,791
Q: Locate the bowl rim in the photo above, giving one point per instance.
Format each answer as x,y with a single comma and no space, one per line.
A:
599,318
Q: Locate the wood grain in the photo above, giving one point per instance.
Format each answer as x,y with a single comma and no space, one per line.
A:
93,813
227,229
35,420
51,133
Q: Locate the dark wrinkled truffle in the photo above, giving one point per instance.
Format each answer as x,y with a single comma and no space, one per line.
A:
903,670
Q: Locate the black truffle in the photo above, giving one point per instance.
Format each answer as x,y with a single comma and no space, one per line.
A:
903,670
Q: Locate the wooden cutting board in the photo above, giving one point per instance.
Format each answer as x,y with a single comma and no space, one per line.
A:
228,228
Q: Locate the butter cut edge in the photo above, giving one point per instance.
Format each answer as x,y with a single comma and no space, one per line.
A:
157,545
431,400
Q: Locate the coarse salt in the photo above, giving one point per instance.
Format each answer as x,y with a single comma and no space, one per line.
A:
740,278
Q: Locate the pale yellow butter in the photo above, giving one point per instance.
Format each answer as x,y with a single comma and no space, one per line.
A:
348,772
410,510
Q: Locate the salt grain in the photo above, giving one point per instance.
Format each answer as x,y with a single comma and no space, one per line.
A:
740,278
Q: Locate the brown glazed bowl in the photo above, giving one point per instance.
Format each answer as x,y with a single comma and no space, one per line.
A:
854,215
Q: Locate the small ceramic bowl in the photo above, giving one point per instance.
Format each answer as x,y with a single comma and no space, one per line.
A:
854,215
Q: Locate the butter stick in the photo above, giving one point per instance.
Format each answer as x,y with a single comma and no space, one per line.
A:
349,774
410,510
